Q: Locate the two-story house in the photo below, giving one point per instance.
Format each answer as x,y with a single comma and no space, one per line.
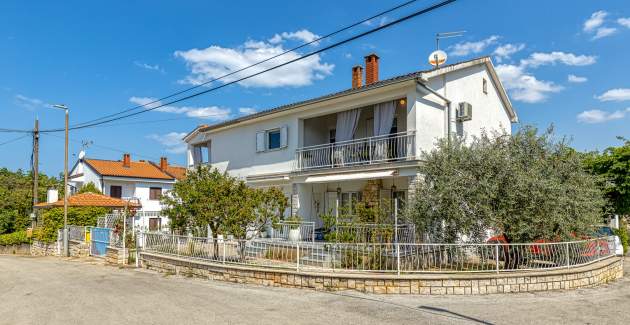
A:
142,181
363,143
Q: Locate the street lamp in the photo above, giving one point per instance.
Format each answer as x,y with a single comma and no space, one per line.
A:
65,184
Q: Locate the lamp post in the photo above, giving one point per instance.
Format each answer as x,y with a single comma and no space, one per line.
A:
65,183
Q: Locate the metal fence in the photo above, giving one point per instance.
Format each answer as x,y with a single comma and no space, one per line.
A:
384,258
77,233
390,147
294,231
109,220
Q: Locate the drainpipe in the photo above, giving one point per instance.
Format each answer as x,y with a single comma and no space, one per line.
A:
450,125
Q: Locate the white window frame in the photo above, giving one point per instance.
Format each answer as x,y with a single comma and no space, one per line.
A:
262,139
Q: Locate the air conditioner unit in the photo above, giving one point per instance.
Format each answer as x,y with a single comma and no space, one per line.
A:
464,112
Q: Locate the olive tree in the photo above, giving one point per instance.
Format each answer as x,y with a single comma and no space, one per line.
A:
525,186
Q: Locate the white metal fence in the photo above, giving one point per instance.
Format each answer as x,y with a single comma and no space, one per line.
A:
390,147
77,233
303,231
384,258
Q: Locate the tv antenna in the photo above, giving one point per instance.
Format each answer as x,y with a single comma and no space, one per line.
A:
438,56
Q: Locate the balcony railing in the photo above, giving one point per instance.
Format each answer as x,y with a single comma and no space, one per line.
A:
385,148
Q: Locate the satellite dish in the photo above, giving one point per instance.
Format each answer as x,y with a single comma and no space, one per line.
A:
437,58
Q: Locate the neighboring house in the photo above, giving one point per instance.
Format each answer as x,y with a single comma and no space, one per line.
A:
140,181
364,143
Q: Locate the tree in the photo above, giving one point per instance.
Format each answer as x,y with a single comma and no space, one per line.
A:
613,168
89,188
524,186
208,198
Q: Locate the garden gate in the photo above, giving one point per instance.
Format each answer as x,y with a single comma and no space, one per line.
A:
100,241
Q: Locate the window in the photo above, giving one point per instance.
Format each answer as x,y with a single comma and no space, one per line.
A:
273,139
485,86
115,191
155,193
332,136
349,201
394,128
201,153
155,224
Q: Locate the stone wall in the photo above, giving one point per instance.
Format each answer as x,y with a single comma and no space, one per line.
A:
116,256
44,249
21,249
78,248
427,284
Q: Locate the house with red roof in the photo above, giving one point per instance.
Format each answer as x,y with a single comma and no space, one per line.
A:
139,181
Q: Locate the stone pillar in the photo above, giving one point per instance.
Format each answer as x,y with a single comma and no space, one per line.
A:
295,200
412,186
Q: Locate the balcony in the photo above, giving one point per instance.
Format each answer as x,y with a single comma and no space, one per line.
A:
372,150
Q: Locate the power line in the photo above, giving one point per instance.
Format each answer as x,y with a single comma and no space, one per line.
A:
315,41
347,40
106,148
15,139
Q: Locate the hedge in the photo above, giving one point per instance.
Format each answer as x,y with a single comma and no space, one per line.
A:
16,238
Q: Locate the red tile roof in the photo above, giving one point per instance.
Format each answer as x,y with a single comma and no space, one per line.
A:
136,169
91,200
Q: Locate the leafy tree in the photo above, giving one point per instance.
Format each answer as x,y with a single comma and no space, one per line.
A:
89,188
225,204
613,166
524,186
16,198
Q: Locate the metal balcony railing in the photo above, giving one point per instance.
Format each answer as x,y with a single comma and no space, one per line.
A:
385,148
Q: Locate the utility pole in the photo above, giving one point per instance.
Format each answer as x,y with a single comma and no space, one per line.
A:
35,169
65,185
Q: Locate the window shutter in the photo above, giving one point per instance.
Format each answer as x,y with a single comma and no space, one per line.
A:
284,133
260,141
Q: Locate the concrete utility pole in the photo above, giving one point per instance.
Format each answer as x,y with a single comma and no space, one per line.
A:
65,185
35,168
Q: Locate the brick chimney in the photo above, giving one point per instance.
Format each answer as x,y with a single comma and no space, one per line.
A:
126,160
163,164
371,68
357,76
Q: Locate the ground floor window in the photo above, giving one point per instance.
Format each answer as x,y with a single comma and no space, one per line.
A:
155,224
349,201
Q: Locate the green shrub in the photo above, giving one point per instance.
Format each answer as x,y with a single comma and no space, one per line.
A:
622,232
52,221
16,238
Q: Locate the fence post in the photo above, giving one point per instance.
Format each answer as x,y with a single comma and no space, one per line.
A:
297,260
496,256
223,258
567,253
398,258
177,244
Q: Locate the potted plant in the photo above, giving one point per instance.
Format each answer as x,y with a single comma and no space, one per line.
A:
294,228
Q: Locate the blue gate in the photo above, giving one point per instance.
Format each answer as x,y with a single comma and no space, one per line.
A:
100,241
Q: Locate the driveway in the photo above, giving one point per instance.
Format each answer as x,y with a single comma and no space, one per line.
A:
38,290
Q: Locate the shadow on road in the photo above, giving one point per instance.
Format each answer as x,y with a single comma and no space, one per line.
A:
446,311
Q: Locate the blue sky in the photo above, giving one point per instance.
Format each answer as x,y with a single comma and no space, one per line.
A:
562,64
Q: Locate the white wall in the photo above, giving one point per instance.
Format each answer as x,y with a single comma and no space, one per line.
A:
139,189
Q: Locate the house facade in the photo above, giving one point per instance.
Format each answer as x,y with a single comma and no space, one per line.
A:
142,182
361,144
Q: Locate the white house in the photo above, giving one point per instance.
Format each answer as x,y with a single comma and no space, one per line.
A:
141,181
365,142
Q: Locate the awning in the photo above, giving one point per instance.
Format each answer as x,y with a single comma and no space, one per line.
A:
349,176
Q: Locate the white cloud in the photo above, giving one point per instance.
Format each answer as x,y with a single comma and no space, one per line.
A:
505,51
216,61
466,48
576,79
213,113
615,95
552,58
595,21
603,32
172,141
247,110
303,35
598,116
380,21
625,22
30,103
523,86
149,66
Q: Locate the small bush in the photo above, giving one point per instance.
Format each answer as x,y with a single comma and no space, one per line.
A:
16,238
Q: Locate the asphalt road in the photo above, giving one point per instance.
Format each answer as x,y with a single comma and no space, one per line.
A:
36,290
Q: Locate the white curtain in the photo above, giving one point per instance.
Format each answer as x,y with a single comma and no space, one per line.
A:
347,122
383,121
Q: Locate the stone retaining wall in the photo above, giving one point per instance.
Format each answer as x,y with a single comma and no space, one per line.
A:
44,249
428,284
78,248
116,256
21,249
